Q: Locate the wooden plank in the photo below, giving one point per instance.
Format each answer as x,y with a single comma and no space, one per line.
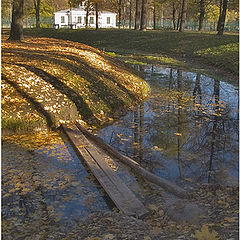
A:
165,184
121,195
135,205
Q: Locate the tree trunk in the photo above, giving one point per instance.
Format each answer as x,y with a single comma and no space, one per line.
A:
96,9
137,16
183,16
141,131
123,16
214,129
16,32
154,16
119,13
37,12
162,17
178,20
222,18
220,15
136,133
87,14
130,15
197,93
174,16
143,26
179,123
201,16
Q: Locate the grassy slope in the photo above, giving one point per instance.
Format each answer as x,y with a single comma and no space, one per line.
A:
49,80
220,52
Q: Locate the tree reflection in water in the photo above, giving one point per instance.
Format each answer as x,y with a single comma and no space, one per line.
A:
186,131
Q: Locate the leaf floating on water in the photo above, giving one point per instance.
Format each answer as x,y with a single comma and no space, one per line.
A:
124,139
156,148
108,236
153,207
178,134
147,238
228,219
205,234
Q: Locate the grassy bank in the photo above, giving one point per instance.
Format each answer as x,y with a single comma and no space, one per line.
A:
164,46
47,81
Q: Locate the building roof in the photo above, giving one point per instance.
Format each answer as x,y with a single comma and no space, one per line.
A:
82,9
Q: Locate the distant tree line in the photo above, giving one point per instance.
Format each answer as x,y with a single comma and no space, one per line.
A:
134,12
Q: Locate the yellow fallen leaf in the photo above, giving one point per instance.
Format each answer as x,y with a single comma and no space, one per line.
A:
205,234
153,207
228,219
109,236
147,238
178,134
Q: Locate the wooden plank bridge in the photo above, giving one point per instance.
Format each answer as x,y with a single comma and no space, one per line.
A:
120,194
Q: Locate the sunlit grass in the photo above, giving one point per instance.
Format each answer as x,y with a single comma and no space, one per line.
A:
64,81
163,43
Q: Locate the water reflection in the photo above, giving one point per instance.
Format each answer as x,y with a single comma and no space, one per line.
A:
186,131
47,185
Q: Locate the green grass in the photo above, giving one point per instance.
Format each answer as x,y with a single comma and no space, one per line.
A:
61,81
16,124
166,46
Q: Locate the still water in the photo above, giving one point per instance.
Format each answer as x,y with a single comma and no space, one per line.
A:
187,131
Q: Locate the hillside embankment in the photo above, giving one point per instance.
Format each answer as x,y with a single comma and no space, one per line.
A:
47,81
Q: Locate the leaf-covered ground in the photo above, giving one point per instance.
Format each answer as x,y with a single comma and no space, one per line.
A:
52,81
46,194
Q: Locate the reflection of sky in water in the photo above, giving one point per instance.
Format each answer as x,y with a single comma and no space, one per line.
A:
81,195
71,192
178,138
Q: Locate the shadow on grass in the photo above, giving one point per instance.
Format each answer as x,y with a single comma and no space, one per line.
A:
81,105
82,69
49,119
158,41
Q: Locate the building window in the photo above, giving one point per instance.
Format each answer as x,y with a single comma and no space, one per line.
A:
62,19
79,20
91,20
108,20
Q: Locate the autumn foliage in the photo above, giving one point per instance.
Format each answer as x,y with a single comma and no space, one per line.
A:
54,81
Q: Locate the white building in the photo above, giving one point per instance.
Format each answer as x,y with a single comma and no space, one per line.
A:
76,18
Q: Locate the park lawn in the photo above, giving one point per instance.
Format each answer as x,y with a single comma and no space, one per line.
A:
48,81
163,46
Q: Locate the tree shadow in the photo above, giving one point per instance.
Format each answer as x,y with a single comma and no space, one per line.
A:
49,118
80,104
82,69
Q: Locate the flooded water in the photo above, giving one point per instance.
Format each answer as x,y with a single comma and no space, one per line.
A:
187,131
44,183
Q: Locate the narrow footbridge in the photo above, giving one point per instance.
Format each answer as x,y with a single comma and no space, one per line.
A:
121,195
94,157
